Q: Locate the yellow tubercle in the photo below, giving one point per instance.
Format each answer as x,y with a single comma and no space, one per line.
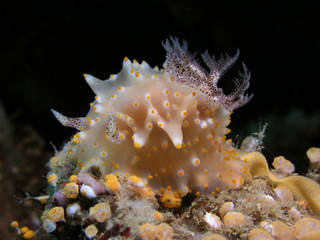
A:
162,231
100,212
52,179
169,200
71,190
24,229
137,145
91,231
56,214
29,234
14,224
112,184
158,216
73,178
136,181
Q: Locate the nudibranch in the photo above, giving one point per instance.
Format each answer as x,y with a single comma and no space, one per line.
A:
167,126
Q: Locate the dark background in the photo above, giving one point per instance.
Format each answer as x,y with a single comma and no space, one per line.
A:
46,46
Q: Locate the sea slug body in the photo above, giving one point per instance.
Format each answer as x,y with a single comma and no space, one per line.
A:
167,127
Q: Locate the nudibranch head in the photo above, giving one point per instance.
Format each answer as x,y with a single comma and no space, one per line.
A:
167,126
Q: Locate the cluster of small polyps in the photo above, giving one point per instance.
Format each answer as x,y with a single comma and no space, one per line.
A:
87,201
167,127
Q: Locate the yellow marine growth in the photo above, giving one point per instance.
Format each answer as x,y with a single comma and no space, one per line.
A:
100,212
301,186
71,190
56,214
167,127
